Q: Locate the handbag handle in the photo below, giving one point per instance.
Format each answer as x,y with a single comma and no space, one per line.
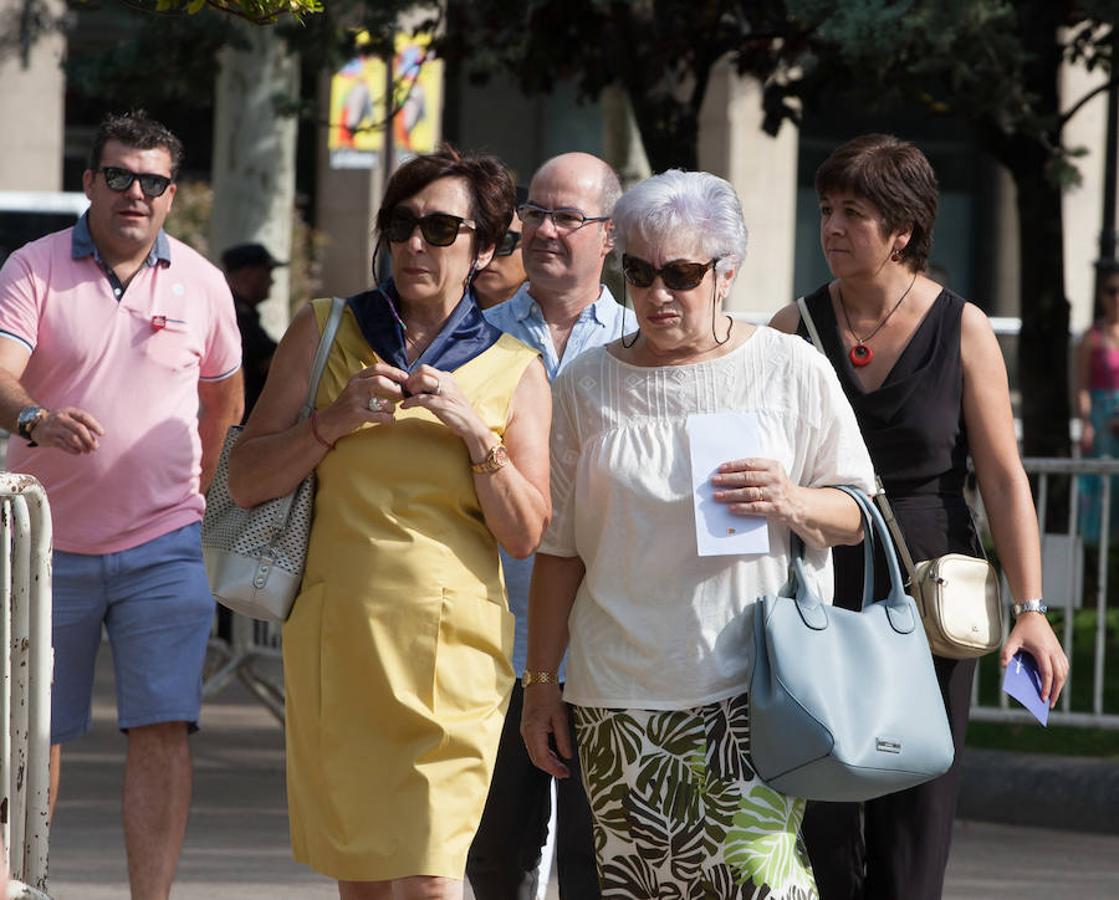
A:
806,318
900,610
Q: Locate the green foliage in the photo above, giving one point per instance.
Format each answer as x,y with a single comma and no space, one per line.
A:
260,12
186,47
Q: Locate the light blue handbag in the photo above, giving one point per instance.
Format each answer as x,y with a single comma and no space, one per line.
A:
845,705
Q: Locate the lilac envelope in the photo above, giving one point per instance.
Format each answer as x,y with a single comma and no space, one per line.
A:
1023,682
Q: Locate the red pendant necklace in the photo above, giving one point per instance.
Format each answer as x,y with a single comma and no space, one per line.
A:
861,355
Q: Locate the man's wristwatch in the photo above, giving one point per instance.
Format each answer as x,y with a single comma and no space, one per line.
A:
1037,606
495,459
28,418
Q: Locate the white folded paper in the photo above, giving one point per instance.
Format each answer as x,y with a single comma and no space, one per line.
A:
714,439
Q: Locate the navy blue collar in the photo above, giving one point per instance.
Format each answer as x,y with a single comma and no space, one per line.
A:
465,335
81,244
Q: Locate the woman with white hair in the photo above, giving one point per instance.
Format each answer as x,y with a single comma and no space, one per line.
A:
660,636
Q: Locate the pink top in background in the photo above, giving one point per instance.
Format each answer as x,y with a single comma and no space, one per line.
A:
1103,372
135,366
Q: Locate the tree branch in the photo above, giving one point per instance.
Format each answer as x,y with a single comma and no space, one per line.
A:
1083,101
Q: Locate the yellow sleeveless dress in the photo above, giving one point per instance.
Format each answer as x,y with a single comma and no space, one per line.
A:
397,653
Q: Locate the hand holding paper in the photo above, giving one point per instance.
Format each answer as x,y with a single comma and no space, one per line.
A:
713,439
1023,682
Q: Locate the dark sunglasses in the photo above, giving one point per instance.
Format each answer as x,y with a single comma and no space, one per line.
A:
508,244
120,180
678,275
438,229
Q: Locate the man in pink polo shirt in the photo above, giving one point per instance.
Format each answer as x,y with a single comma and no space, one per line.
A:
119,375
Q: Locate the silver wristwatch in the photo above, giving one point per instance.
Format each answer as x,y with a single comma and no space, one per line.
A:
1037,606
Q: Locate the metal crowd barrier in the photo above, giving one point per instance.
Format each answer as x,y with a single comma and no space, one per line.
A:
1063,555
252,654
25,680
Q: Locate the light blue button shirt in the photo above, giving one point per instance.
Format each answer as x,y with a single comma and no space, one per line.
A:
603,321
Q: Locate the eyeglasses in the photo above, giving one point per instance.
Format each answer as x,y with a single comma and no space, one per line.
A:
678,275
120,180
438,229
508,244
564,219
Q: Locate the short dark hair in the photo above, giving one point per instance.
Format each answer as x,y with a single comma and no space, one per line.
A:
897,178
135,129
492,193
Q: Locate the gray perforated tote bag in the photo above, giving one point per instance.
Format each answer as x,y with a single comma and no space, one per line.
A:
845,705
255,557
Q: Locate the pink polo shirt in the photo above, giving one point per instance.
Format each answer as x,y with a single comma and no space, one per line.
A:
135,366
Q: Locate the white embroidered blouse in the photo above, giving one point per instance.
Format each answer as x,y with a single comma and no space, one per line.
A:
654,625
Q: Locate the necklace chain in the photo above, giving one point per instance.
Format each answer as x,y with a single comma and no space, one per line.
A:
843,305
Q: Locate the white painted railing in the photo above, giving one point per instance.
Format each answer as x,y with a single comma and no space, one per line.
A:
25,678
1064,576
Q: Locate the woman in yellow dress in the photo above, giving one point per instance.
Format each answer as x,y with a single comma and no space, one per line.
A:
429,443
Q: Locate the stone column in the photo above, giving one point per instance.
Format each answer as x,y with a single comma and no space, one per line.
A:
764,172
254,156
32,108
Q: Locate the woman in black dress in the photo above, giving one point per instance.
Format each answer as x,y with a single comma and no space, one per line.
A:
926,377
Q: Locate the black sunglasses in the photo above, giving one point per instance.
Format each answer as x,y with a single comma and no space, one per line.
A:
438,229
120,180
508,244
678,275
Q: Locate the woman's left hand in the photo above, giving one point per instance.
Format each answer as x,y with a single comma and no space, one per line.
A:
439,394
1033,634
758,487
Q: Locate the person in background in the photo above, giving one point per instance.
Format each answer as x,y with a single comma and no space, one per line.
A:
429,446
248,270
923,370
1097,404
562,310
505,274
120,371
660,636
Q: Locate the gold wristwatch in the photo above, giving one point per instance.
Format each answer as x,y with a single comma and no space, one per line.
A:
497,457
529,678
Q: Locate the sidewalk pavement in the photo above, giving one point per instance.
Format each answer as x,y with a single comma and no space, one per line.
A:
237,840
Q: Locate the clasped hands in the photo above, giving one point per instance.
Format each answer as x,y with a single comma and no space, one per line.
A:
374,394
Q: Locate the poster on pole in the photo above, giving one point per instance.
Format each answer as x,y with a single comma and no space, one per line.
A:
417,97
357,110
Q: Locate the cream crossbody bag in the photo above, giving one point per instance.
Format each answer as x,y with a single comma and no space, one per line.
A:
958,595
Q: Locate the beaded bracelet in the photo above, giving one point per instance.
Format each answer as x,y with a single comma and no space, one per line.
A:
315,431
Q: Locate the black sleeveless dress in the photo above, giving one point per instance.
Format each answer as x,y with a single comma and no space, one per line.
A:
914,428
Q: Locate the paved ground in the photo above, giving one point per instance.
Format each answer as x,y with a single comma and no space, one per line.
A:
237,841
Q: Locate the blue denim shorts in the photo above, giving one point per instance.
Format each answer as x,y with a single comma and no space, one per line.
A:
155,603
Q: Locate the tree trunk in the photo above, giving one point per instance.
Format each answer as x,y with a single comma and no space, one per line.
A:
671,141
1043,343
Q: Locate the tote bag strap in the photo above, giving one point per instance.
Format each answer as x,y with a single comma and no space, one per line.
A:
337,306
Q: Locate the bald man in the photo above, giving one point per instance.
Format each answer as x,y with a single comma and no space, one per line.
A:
562,310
